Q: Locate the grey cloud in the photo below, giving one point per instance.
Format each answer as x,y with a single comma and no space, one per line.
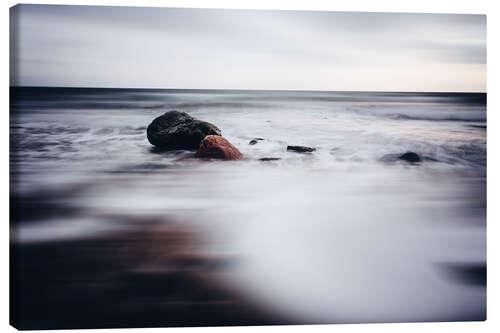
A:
120,45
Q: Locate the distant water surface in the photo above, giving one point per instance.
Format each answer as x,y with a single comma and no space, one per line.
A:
348,233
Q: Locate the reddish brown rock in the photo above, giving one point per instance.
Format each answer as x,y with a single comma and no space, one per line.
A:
214,146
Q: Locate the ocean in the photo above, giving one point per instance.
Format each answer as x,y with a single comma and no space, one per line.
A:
346,234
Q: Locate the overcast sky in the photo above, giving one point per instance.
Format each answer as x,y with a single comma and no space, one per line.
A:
137,47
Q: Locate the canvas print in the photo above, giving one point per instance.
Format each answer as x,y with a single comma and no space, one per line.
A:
208,167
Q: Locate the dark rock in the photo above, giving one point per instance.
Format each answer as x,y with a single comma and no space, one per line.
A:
178,130
214,146
266,159
254,141
300,149
410,157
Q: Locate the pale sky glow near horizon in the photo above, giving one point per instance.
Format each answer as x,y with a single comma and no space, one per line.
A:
146,47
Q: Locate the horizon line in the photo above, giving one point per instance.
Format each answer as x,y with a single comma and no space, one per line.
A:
269,90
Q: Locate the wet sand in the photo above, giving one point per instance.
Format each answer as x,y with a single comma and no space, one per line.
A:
141,278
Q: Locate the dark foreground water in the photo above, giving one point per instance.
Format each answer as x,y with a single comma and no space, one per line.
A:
108,232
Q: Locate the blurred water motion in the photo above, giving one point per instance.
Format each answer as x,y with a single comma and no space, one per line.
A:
106,231
147,276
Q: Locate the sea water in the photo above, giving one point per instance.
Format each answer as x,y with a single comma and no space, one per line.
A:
348,233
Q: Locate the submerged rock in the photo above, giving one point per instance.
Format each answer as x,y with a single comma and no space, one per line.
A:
267,159
410,157
178,130
254,141
214,146
300,149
